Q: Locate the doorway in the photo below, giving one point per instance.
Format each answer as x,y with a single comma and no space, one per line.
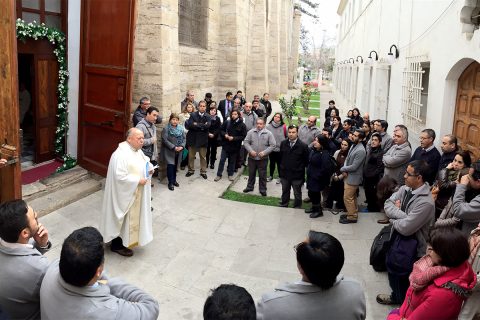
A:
26,80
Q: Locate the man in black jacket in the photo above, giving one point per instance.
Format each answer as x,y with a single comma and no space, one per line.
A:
428,152
373,171
268,105
197,139
232,133
449,148
294,160
141,112
225,106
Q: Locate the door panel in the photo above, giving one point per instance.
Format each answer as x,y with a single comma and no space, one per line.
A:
467,111
106,73
46,79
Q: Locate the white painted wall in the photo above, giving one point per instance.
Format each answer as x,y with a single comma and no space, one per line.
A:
417,27
74,8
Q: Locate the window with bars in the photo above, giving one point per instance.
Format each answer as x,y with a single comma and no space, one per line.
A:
415,92
193,23
50,12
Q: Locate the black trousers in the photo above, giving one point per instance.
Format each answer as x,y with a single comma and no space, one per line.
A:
315,197
296,185
370,187
336,193
261,167
212,151
275,158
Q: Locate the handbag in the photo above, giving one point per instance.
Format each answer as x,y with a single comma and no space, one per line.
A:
402,254
380,246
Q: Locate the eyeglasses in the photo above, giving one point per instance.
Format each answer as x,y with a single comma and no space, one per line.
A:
408,174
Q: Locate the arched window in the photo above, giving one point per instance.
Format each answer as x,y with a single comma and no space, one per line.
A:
193,23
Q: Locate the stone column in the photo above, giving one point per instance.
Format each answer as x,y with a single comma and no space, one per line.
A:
156,55
273,28
283,48
293,59
257,60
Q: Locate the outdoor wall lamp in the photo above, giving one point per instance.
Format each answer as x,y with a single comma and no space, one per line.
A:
392,56
351,59
345,61
370,59
361,59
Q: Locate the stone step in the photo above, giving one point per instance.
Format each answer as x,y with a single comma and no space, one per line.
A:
64,196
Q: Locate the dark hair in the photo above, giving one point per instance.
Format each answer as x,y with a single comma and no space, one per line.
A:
239,91
329,130
292,126
151,109
467,159
143,99
452,139
430,132
378,135
451,245
321,258
323,141
356,109
82,254
421,168
331,101
237,111
229,94
338,118
281,118
229,302
13,219
208,95
367,122
383,124
476,170
361,133
348,121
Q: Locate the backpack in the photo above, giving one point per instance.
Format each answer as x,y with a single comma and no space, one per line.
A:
380,246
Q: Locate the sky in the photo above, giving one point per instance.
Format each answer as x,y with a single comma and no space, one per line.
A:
328,19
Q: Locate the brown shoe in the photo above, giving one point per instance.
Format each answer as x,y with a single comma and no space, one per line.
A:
123,251
384,221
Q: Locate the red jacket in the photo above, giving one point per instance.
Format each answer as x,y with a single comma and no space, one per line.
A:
438,302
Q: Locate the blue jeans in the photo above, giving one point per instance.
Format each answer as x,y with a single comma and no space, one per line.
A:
232,158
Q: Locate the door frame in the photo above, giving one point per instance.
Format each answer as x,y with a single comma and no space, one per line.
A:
82,97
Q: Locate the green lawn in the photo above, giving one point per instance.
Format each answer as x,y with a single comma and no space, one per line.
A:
314,107
255,199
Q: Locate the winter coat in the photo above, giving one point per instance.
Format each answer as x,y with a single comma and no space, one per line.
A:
250,120
262,141
442,299
396,160
169,143
294,160
354,164
468,212
308,134
278,133
319,170
215,127
432,157
197,135
374,164
237,130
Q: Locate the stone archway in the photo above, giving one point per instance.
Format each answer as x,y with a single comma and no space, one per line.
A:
466,124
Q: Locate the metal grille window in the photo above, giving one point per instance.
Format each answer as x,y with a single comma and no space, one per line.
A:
192,22
413,110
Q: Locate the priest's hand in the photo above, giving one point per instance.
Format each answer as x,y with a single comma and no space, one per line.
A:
142,181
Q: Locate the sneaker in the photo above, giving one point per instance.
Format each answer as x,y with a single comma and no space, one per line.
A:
385,299
230,178
217,178
269,179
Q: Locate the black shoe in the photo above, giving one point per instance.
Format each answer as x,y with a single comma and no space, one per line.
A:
283,205
123,251
203,175
176,184
170,187
310,210
347,221
189,174
151,208
307,200
247,190
316,214
212,166
297,204
264,194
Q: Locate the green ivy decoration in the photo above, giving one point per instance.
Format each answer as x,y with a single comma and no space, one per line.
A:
57,39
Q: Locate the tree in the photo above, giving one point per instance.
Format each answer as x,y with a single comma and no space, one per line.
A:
307,7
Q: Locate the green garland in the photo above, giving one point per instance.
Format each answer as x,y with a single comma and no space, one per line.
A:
57,39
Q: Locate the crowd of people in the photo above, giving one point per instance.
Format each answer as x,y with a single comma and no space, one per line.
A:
430,200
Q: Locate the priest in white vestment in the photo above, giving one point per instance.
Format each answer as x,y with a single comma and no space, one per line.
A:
126,211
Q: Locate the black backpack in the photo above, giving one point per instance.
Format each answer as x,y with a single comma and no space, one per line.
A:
379,249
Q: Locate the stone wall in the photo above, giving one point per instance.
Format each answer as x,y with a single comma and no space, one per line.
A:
246,50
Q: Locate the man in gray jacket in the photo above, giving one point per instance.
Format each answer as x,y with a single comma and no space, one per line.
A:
398,156
464,207
412,212
352,171
322,292
259,142
23,241
308,131
74,287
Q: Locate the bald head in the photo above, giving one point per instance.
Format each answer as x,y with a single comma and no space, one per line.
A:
135,138
311,121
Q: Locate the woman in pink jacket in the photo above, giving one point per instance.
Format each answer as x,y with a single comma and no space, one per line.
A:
440,281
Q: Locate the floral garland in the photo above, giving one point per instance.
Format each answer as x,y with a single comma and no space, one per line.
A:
56,38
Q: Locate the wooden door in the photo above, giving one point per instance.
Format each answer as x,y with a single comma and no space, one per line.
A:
10,175
466,125
105,85
46,81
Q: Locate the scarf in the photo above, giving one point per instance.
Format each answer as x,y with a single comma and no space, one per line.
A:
176,132
276,125
424,272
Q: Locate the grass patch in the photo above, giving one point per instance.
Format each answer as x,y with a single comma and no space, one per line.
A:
255,199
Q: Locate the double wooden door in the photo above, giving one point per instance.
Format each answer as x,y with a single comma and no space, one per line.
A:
105,84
